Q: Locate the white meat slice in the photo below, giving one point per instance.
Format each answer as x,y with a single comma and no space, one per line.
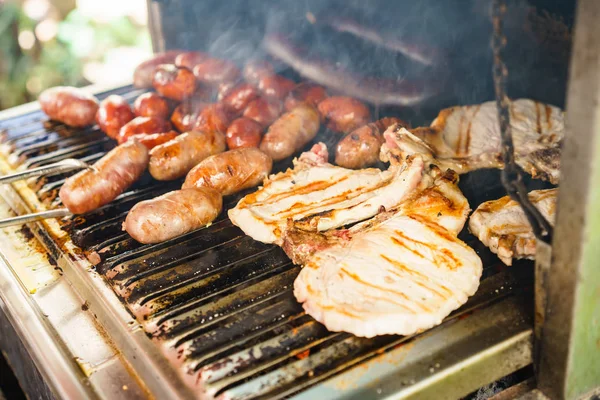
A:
502,226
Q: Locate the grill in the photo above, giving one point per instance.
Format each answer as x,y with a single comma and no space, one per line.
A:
219,306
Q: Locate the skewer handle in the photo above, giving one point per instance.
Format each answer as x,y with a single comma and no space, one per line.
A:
66,165
23,219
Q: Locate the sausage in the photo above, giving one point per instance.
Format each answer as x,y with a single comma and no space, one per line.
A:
230,172
238,98
142,125
113,113
243,132
190,59
144,73
305,93
256,69
275,86
172,214
176,158
185,114
212,118
224,89
344,114
151,105
174,82
214,71
360,148
292,131
154,139
264,111
69,105
111,176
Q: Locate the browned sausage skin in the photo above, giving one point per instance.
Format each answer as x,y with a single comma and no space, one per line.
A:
144,73
142,125
111,176
344,114
185,114
190,59
238,98
292,131
230,172
360,148
154,139
172,214
151,105
212,118
174,82
305,93
113,113
264,111
215,71
243,132
256,69
69,105
176,158
275,86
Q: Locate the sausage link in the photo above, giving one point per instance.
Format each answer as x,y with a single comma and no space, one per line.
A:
113,113
230,172
275,86
256,69
174,82
360,148
344,114
264,111
185,114
142,125
212,118
292,131
151,105
243,132
214,71
190,59
176,158
154,139
144,73
238,98
224,89
172,214
111,176
69,105
305,93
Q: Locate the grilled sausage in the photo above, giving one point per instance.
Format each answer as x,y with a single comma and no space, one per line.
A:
224,89
264,111
144,73
154,139
176,158
243,132
292,131
172,214
185,114
212,118
256,69
113,113
360,148
214,71
305,93
275,86
174,82
238,98
190,59
69,105
111,176
142,125
344,114
151,105
230,172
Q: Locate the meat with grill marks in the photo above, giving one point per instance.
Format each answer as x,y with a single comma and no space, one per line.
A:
466,138
502,226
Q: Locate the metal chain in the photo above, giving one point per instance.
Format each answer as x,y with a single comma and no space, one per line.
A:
512,178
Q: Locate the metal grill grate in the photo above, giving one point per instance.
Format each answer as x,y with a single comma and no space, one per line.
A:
219,304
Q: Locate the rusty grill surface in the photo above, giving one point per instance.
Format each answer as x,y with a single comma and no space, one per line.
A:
219,304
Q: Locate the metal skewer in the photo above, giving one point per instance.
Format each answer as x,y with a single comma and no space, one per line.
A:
23,219
66,165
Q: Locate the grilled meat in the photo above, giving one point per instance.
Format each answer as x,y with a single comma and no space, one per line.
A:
502,226
466,138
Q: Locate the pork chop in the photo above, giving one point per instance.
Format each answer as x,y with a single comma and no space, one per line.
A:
468,137
503,227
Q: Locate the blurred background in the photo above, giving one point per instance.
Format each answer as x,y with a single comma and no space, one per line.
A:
44,43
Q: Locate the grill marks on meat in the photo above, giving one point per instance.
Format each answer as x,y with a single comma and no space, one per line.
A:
502,226
468,137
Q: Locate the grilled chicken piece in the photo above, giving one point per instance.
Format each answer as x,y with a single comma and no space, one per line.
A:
466,138
399,273
319,196
502,226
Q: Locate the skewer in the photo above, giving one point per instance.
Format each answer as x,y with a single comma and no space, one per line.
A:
66,165
23,219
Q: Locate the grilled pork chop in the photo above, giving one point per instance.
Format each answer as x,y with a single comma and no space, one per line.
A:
502,226
398,273
466,138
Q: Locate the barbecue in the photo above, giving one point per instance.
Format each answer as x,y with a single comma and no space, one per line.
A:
254,224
